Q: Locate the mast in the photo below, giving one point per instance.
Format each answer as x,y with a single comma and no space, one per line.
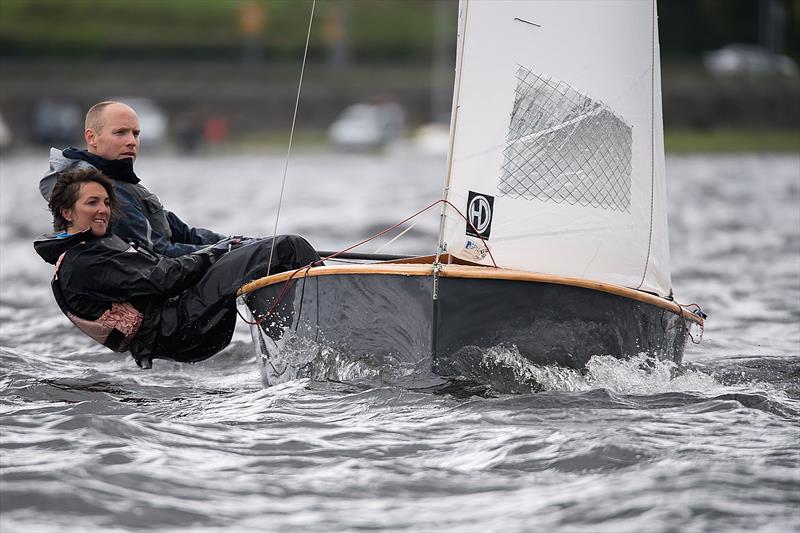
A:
463,5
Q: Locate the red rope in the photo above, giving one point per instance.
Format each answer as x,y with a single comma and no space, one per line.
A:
373,237
278,299
494,263
390,228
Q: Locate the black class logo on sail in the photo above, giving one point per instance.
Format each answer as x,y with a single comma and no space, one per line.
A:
479,213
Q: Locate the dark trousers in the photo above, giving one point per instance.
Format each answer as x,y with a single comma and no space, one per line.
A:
200,322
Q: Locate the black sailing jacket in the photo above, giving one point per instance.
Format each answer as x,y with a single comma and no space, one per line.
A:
98,271
188,305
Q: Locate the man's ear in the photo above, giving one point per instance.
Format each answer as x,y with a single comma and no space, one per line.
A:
90,136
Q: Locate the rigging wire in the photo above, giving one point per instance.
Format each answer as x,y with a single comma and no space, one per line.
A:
390,228
291,133
305,269
383,246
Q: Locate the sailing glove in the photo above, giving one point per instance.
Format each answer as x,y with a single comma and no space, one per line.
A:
218,249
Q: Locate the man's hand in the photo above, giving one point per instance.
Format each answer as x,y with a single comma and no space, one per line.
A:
244,241
218,249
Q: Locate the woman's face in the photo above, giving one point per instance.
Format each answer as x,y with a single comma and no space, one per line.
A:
92,210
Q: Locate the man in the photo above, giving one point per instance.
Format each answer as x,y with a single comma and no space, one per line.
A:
112,142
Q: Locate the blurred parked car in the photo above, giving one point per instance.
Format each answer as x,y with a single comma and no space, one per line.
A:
432,139
57,123
5,133
364,126
152,119
748,59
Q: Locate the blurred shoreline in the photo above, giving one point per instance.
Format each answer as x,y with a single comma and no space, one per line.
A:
702,113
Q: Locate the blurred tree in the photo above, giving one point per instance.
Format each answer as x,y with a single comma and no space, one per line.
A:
690,27
335,29
252,23
386,30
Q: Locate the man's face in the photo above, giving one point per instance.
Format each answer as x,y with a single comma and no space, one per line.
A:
118,137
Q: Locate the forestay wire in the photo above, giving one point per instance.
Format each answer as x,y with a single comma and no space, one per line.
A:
291,136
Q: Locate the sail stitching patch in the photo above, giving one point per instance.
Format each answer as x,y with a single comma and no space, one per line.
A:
565,147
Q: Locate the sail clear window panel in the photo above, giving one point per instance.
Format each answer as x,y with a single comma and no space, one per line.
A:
564,147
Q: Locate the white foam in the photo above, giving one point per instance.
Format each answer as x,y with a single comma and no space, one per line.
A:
641,374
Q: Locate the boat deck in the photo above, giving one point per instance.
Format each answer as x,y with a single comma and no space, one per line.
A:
423,266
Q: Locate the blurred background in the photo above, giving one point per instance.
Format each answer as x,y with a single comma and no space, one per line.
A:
222,74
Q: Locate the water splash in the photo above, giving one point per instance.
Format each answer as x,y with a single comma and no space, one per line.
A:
294,357
503,368
641,374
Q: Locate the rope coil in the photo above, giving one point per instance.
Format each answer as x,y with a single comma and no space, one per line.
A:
697,311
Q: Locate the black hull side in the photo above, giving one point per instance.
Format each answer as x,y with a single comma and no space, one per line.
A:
381,315
548,323
385,315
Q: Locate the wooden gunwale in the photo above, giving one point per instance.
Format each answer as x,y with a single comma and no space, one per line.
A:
468,272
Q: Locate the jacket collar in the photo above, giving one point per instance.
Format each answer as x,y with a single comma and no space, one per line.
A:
51,245
118,169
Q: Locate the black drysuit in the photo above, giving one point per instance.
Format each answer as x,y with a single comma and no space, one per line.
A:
188,304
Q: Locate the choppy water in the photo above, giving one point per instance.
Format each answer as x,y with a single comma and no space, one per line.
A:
89,441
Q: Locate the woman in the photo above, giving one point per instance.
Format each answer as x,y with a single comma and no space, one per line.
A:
130,299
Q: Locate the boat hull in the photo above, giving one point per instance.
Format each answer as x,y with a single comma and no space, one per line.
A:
386,313
548,324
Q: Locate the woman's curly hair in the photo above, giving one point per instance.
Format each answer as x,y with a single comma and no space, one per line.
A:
67,190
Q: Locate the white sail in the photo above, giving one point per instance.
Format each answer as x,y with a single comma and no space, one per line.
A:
557,154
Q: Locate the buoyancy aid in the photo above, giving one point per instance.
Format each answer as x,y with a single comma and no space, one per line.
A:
115,328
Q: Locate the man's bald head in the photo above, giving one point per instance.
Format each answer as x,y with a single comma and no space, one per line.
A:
112,130
94,117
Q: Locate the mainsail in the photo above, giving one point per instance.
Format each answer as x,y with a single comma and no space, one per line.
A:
557,156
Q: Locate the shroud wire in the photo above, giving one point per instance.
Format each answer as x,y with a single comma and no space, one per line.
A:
291,137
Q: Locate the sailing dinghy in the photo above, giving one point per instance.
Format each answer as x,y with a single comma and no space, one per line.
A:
557,164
